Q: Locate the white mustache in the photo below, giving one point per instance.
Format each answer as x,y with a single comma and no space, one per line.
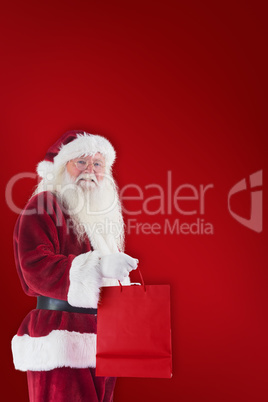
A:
87,176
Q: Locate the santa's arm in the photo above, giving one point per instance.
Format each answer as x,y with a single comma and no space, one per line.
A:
43,269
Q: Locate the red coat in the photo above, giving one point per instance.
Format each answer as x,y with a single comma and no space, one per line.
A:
52,262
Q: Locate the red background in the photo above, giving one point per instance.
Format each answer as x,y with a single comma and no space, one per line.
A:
176,86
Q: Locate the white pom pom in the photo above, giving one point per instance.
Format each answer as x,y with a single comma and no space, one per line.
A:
44,167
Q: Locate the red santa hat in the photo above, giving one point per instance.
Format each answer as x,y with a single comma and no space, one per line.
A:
74,144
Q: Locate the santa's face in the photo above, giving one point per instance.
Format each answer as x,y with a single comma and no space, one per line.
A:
92,201
90,196
87,171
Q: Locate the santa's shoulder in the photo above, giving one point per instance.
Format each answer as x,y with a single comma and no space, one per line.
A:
42,198
43,202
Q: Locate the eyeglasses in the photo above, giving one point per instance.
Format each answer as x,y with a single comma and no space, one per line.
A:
83,164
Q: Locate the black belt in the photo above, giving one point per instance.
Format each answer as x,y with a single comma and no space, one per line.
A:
48,303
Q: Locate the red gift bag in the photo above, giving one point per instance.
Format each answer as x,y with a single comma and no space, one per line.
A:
133,332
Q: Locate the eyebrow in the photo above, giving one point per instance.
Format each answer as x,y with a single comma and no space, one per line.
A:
94,160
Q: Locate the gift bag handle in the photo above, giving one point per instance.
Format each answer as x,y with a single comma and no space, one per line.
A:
142,281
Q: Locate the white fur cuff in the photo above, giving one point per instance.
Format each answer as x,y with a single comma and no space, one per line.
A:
58,349
85,280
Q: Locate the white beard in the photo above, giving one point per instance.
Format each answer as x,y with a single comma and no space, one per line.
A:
94,208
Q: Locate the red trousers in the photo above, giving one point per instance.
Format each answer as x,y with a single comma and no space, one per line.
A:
69,384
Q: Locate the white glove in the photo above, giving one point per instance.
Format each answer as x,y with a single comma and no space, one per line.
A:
117,266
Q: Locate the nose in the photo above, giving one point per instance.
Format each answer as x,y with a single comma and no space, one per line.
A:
89,168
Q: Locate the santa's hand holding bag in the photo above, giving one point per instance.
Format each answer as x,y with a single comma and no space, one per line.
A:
117,266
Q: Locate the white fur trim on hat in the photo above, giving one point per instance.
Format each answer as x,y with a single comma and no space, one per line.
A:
60,348
86,144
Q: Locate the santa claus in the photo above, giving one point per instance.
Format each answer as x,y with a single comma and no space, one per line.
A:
69,242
